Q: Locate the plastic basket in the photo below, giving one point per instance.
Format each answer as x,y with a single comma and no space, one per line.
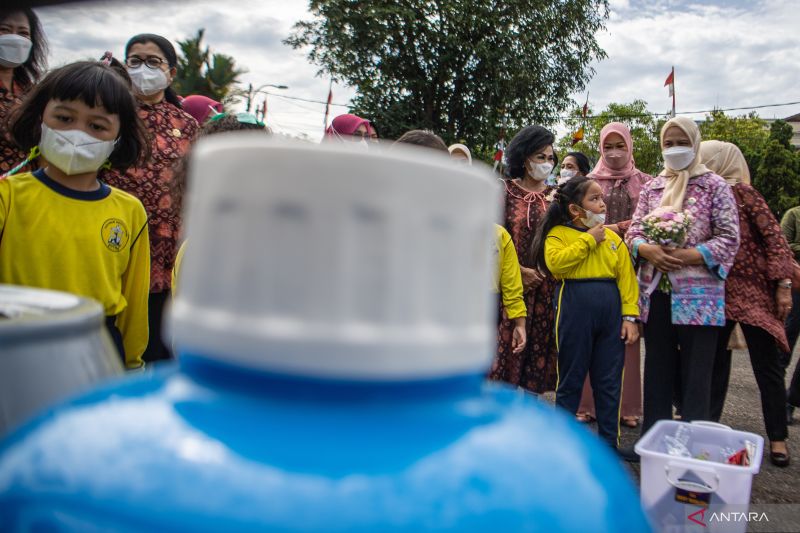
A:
688,494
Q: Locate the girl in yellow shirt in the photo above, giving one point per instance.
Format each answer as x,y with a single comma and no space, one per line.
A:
596,302
62,227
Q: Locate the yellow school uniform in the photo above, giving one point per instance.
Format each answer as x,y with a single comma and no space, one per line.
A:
93,244
574,254
508,279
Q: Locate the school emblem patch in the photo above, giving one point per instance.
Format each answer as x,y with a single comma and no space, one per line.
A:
114,234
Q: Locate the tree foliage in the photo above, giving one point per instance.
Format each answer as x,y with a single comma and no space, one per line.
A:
462,68
201,72
748,132
777,177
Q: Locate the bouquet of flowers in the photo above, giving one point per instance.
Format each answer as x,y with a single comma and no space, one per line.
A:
667,227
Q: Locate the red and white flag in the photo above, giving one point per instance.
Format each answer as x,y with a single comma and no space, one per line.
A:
671,82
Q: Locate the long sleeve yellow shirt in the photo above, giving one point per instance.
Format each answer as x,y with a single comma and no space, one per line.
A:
574,254
508,279
93,244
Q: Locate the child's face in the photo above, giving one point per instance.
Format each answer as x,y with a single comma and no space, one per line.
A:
593,200
75,115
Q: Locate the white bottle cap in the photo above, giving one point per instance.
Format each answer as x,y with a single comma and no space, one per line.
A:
321,262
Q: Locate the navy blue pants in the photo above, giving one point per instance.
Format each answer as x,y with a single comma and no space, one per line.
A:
588,328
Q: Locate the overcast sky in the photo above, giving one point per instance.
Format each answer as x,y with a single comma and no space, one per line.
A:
733,53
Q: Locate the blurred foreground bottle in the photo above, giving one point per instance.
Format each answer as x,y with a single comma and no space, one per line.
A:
334,325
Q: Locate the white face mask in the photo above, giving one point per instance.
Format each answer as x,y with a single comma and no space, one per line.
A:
74,151
678,157
540,171
14,50
148,81
593,219
566,175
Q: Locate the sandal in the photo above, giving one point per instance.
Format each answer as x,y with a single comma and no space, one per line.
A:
630,421
584,418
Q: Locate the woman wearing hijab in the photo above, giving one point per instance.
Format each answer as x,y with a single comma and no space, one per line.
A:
23,58
349,128
460,153
621,182
201,107
758,296
530,159
574,164
682,290
152,64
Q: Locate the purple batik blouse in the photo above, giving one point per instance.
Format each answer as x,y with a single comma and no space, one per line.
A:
698,291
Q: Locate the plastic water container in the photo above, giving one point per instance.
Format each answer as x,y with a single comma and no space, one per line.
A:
333,330
52,345
689,494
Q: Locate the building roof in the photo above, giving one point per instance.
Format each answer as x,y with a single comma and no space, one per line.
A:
793,118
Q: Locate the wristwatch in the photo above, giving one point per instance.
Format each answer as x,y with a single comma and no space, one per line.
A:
785,284
629,318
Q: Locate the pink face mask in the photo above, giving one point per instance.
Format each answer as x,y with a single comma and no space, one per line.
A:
615,158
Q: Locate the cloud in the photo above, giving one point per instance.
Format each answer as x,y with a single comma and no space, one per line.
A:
726,54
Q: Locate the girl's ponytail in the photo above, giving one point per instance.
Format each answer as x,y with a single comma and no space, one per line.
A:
569,192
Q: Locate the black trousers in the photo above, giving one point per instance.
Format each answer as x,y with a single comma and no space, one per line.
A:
792,332
588,327
156,349
769,373
116,336
669,348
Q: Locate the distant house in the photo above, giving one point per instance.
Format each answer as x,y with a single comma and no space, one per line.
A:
794,121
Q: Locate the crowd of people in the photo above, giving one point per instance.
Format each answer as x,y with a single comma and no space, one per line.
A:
101,148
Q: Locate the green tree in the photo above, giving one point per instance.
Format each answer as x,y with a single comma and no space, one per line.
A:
778,177
201,72
461,69
782,131
748,132
644,131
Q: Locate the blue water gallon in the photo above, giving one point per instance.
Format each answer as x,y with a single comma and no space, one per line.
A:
333,324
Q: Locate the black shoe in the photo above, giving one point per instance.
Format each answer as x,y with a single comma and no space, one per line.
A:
779,459
628,454
789,414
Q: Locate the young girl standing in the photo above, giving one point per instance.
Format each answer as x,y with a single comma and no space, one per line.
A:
596,299
62,228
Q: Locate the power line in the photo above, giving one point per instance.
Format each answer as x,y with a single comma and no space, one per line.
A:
642,115
304,99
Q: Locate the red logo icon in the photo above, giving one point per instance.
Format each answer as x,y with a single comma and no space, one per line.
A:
702,513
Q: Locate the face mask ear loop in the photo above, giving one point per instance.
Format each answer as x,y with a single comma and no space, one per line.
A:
34,153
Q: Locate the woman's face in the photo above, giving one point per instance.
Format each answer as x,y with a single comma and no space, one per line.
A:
16,23
570,163
361,134
614,141
674,136
150,51
76,115
542,155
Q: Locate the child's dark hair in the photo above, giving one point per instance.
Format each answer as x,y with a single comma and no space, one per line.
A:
425,138
169,53
94,84
570,192
32,69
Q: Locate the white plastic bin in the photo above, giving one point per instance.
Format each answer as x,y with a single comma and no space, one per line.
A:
666,479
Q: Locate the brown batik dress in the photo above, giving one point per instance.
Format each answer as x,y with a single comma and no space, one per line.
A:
10,154
535,368
172,132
